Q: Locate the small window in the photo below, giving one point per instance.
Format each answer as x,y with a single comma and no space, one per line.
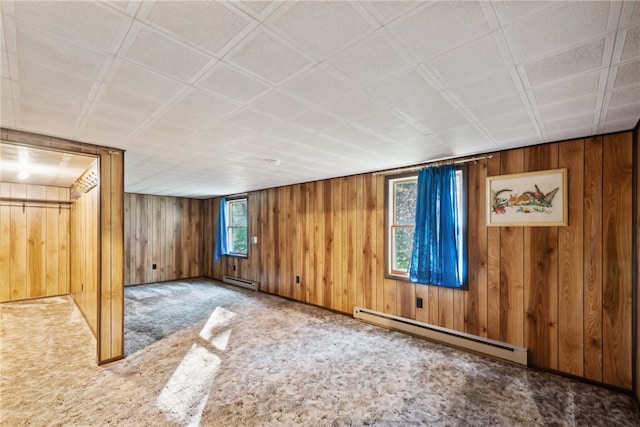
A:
237,235
401,209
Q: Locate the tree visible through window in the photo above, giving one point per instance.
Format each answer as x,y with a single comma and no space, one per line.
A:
401,209
237,219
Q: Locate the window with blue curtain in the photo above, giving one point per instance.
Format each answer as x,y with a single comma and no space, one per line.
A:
232,230
426,226
220,243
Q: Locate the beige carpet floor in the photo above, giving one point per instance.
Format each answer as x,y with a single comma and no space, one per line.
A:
240,358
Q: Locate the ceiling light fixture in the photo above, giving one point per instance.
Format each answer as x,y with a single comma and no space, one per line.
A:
23,175
273,162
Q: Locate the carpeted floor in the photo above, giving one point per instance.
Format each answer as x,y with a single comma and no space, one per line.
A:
204,353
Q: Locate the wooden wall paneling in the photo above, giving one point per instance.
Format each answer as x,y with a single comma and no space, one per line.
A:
422,314
570,265
116,246
93,262
5,244
617,262
103,298
178,253
459,310
637,259
406,299
369,280
541,274
475,299
270,241
337,288
187,240
592,258
18,237
253,203
380,241
64,242
196,233
511,265
349,230
306,240
445,307
317,243
358,243
36,250
127,240
494,293
434,303
51,243
283,252
157,238
328,246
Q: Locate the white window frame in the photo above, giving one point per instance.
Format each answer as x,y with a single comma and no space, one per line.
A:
230,227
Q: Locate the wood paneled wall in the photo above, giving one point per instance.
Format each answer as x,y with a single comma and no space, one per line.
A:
165,231
34,247
637,259
110,301
563,292
84,256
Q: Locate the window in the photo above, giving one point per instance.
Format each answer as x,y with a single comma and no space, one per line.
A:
237,219
401,210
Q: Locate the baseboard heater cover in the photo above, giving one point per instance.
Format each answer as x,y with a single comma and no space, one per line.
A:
477,344
248,284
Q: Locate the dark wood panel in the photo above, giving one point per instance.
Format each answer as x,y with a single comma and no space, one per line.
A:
494,304
570,264
616,267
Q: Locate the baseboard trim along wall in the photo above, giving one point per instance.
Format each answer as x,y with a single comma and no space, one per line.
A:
474,343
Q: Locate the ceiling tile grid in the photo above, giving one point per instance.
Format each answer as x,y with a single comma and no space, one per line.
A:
201,94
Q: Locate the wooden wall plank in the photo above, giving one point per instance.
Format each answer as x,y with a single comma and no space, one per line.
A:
494,303
64,281
541,274
570,267
512,265
337,285
349,229
616,266
380,245
475,299
18,237
51,243
5,244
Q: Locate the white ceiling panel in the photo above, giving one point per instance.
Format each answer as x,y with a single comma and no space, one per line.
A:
160,53
321,27
268,57
200,93
442,26
232,83
210,25
560,27
574,61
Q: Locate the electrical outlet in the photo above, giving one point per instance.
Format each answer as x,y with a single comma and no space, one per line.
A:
419,302
297,279
234,267
153,267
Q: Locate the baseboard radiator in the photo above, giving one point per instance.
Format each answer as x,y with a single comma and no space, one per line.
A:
248,284
474,343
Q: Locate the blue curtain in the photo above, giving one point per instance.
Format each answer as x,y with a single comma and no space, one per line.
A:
220,244
434,259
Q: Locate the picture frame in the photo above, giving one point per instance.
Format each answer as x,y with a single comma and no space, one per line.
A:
530,199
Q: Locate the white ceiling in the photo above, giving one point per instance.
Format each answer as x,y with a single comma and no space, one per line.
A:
202,94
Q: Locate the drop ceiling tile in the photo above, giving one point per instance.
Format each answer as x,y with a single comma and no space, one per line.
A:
316,121
211,25
628,95
631,47
127,101
418,109
169,129
569,123
4,63
47,77
495,86
288,132
228,133
346,133
279,105
317,85
96,124
88,23
573,88
386,11
251,121
162,54
635,16
201,102
379,122
625,112
513,10
518,119
395,91
322,27
231,83
574,61
264,55
498,107
466,139
403,134
51,51
442,122
628,73
371,59
485,55
352,106
37,118
131,78
106,112
561,27
570,108
37,96
442,26
182,117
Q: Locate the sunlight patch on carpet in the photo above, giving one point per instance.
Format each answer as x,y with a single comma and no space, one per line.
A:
218,320
184,397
